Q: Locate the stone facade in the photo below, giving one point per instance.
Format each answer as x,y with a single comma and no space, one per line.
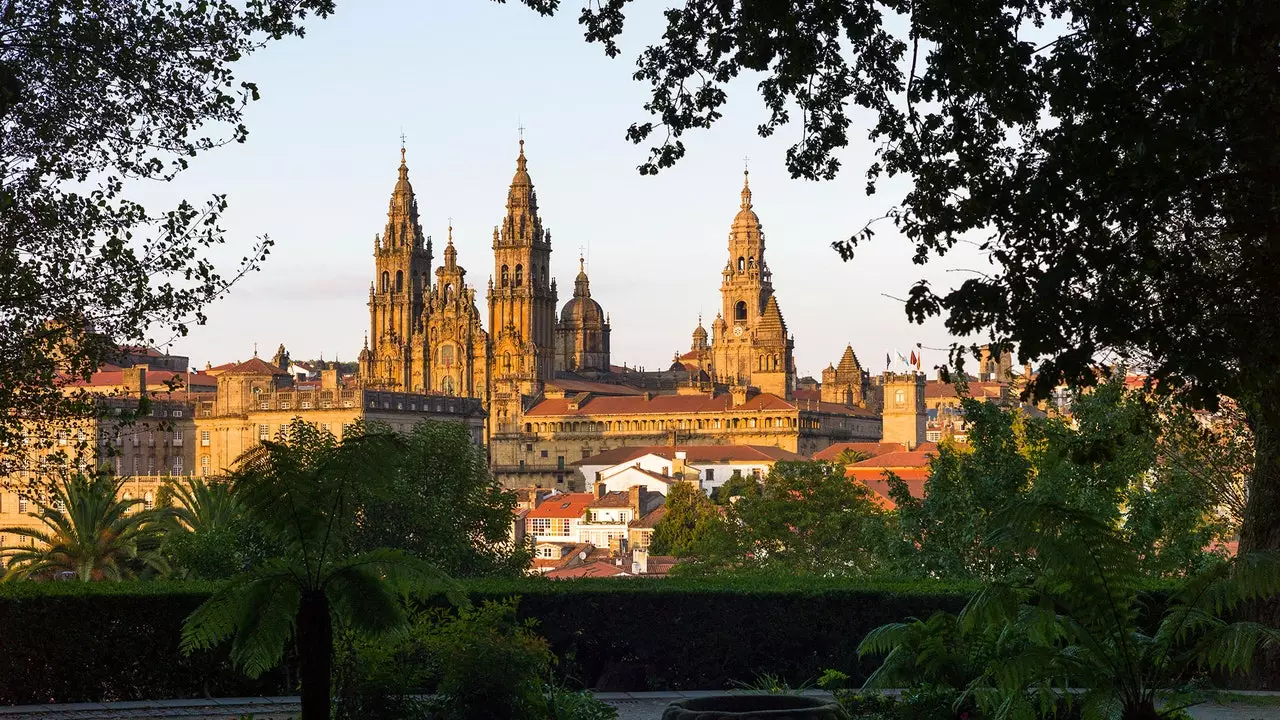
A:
904,408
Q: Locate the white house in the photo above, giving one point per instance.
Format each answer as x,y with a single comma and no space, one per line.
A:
712,464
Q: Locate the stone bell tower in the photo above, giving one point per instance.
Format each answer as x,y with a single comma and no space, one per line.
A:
395,356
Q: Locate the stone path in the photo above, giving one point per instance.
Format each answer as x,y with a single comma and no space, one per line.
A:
631,706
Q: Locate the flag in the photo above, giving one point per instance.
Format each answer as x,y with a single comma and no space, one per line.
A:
919,353
915,359
887,361
901,358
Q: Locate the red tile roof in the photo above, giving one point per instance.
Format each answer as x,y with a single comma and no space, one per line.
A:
599,568
108,378
677,404
918,458
693,453
977,390
256,366
875,480
651,520
577,386
565,505
870,449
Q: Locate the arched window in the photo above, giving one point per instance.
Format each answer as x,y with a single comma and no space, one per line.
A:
519,275
505,276
751,263
899,397
386,281
742,264
399,281
740,311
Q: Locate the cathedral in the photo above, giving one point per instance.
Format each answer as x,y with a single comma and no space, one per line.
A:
545,378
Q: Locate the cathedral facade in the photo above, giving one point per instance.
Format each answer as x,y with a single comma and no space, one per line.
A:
545,379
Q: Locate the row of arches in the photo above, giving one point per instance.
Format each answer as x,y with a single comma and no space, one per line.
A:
592,426
506,278
748,263
385,284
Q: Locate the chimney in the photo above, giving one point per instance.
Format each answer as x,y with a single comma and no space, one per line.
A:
600,489
678,465
634,495
134,380
329,379
640,561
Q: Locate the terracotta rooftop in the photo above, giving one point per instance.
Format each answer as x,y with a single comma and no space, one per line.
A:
566,505
693,454
870,449
255,366
107,378
874,479
599,568
918,458
651,520
677,404
977,390
577,386
615,499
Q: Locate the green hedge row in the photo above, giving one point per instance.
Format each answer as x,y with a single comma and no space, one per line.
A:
68,642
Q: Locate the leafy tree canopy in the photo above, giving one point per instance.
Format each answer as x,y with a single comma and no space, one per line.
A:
95,97
1118,162
445,507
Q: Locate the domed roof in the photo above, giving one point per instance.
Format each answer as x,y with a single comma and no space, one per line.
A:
582,309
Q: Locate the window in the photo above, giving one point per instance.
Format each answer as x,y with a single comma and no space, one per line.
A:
539,526
135,466
325,427
62,438
740,312
399,281
204,466
177,465
151,466
710,475
900,397
560,479
386,281
586,453
204,438
505,276
177,438
522,464
560,462
284,432
544,453
717,423
22,504
742,264
151,437
519,275
755,473
148,501
305,404
176,413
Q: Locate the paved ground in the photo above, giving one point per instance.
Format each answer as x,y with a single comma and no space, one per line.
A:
631,706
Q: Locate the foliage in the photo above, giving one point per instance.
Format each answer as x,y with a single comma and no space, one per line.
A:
86,531
565,704
923,701
78,642
210,536
96,98
444,506
1109,460
1075,620
691,518
491,664
737,486
771,683
1115,163
303,493
807,519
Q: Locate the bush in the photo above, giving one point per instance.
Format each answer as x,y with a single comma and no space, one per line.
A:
73,642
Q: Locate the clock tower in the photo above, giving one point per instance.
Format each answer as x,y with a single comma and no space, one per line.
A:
750,345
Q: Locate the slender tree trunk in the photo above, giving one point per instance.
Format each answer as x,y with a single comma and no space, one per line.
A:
315,654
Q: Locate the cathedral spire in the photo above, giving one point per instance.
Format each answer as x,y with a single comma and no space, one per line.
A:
746,189
402,212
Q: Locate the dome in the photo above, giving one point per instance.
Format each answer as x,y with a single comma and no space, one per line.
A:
582,310
746,219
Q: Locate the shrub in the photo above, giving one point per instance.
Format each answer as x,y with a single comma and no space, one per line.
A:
73,642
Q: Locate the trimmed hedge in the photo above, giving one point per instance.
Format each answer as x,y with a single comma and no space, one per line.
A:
69,642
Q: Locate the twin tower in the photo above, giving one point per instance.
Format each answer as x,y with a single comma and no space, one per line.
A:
426,335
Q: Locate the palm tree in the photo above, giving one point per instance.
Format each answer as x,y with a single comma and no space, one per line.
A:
306,492
88,530
199,506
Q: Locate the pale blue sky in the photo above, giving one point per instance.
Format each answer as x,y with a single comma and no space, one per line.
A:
458,77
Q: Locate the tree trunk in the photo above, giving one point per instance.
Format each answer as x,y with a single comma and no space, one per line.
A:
315,654
1261,527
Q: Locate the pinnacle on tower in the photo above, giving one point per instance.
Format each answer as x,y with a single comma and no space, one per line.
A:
746,189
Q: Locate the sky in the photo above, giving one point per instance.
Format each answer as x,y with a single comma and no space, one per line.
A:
458,79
